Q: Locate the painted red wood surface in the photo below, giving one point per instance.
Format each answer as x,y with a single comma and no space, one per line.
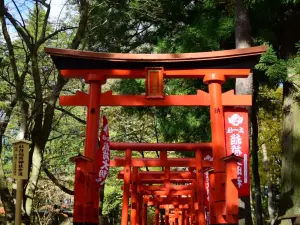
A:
168,73
200,99
151,162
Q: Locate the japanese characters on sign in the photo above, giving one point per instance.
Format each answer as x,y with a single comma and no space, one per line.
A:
103,154
237,142
20,159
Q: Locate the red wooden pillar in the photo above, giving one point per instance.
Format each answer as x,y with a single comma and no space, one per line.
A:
231,190
167,222
127,171
176,216
162,216
191,219
133,215
157,215
88,210
200,188
140,201
145,214
194,207
214,81
184,217
164,157
212,213
80,179
180,222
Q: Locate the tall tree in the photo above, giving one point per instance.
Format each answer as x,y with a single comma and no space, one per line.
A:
243,39
290,192
36,102
270,132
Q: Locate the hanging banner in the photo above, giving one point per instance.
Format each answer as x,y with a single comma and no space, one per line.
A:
103,154
207,155
237,142
206,196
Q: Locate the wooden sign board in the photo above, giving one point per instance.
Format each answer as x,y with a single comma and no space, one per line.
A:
21,159
155,83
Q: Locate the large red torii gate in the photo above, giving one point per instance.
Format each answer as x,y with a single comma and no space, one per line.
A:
213,67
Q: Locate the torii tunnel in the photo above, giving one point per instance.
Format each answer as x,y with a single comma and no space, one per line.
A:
207,191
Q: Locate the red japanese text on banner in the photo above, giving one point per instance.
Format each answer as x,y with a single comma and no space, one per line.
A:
237,142
103,154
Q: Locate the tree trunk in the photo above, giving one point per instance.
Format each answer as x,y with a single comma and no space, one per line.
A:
254,154
42,118
290,192
102,188
23,120
271,204
243,86
32,182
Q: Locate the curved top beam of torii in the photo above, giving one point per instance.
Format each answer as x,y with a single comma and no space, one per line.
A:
67,59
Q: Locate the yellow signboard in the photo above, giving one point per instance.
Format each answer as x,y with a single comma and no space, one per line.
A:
21,159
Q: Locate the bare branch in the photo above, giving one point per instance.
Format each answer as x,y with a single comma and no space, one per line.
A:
36,21
11,51
56,182
20,14
84,12
25,70
49,111
22,31
41,41
44,3
71,115
44,28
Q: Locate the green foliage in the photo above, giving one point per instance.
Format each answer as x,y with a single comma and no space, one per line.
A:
209,31
295,61
274,68
35,22
269,105
113,197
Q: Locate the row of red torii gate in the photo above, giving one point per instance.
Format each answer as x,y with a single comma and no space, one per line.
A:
207,188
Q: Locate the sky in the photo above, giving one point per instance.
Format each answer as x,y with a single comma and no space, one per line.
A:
56,6
24,5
